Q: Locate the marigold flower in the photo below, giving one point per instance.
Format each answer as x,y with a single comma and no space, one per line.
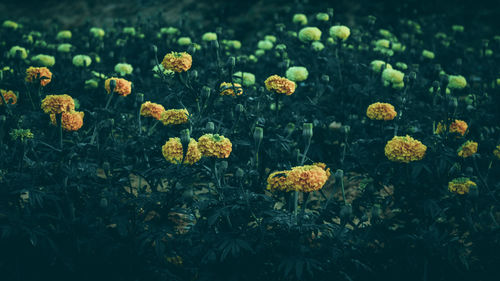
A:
209,36
38,73
44,60
265,45
97,32
215,146
307,178
174,116
376,65
496,151
82,60
124,68
460,185
456,82
64,48
10,24
57,104
64,34
404,149
458,126
308,34
381,111
184,41
277,181
467,149
393,77
70,121
322,16
14,51
300,19
227,89
297,73
122,88
173,152
9,97
428,54
340,31
150,109
245,78
280,85
177,62
317,46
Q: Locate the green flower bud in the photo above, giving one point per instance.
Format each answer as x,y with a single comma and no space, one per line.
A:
428,54
307,131
317,46
184,41
258,135
265,45
64,48
300,19
209,36
297,73
124,68
456,82
322,16
18,52
340,31
63,35
82,61
44,60
129,30
10,24
210,127
97,32
271,38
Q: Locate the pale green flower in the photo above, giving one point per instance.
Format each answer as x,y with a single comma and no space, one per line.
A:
64,48
18,51
265,45
317,46
10,24
63,35
97,32
297,73
82,60
376,65
340,31
169,30
309,34
129,30
428,54
322,16
124,68
44,60
184,41
244,78
209,36
300,19
456,82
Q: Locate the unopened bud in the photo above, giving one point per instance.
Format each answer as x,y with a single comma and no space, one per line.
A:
191,49
205,92
453,102
258,135
307,131
193,74
140,97
346,129
210,127
154,48
239,108
231,61
290,127
239,173
346,212
185,137
112,85
339,174
325,78
413,75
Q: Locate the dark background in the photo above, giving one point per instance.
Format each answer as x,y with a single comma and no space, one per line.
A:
239,14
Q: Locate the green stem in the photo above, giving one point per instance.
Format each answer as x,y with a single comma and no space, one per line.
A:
6,104
59,125
109,100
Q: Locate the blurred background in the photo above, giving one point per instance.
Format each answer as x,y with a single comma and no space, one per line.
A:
243,13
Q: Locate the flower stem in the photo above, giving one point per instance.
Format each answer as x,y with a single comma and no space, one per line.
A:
109,100
59,125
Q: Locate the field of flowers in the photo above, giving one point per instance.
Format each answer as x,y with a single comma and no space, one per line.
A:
313,150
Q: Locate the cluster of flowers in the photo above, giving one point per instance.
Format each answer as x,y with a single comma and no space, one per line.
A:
458,126
305,178
208,145
167,117
71,120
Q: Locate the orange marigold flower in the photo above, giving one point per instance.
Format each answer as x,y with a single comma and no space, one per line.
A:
177,62
280,85
33,74
381,111
404,149
215,146
228,89
56,104
123,87
172,151
307,178
460,185
70,121
277,181
150,109
9,97
174,116
467,149
457,126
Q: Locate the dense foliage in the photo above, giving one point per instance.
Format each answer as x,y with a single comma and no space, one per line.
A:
373,153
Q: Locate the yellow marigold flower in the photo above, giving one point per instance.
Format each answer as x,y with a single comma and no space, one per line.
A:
209,36
10,24
172,151
467,149
457,126
496,151
393,76
43,60
308,34
381,111
184,41
322,16
227,89
174,116
122,88
70,121
57,104
280,85
64,34
215,146
460,185
38,73
124,68
9,97
150,109
340,31
307,178
277,181
456,82
177,62
82,60
404,149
